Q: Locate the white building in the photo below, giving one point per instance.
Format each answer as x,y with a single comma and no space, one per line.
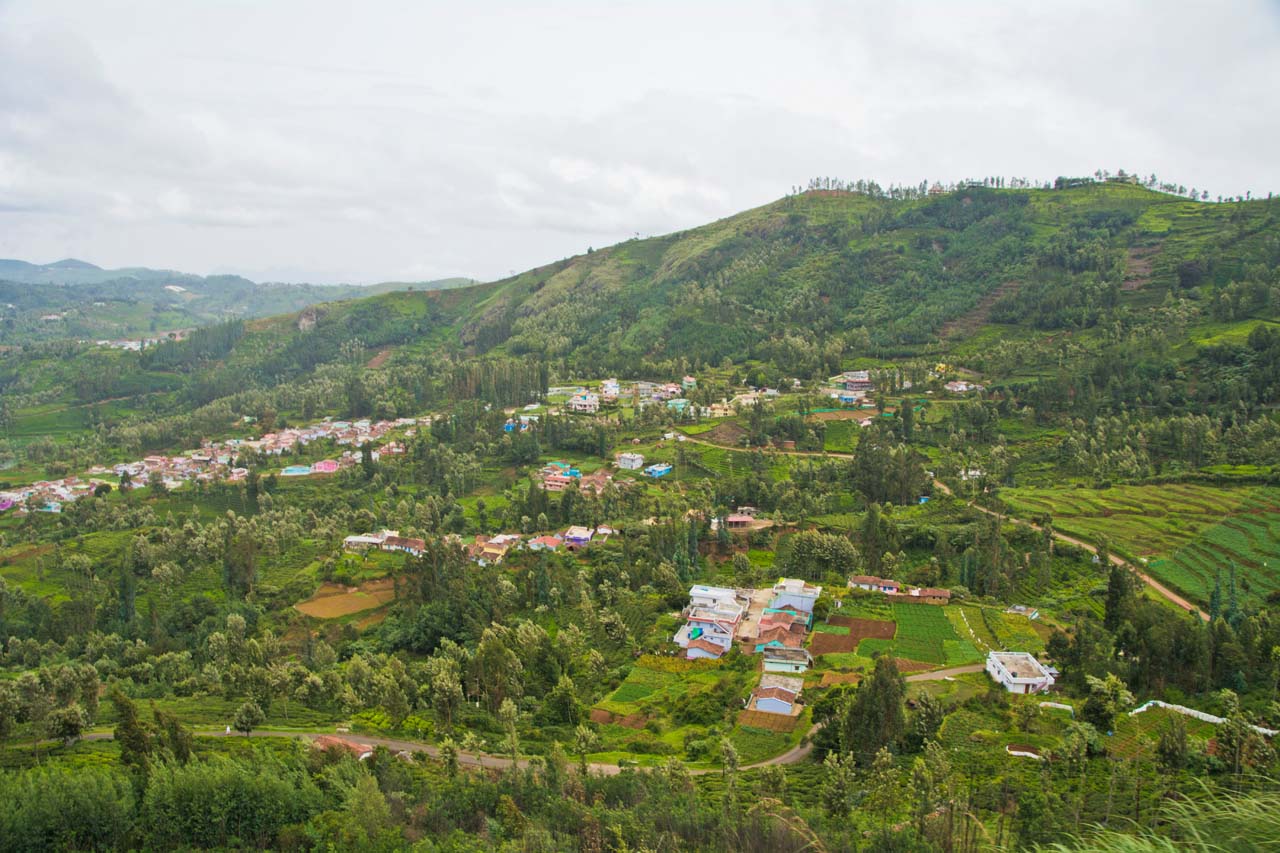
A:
584,403
630,461
1019,672
792,592
784,660
701,595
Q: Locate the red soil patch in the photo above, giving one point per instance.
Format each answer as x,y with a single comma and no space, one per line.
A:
726,432
631,721
905,665
333,600
1137,267
969,322
379,359
859,630
831,679
826,644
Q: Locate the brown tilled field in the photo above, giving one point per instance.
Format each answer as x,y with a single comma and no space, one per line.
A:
767,721
333,600
631,721
859,630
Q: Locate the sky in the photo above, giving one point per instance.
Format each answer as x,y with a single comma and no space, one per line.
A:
359,142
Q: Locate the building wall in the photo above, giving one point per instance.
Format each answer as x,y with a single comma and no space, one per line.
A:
773,706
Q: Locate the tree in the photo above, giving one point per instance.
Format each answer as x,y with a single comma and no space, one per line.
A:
1171,749
449,756
10,707
585,741
882,786
368,813
248,717
135,744
1107,698
874,719
68,723
508,716
837,784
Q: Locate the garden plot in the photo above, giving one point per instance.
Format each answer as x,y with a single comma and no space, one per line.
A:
924,634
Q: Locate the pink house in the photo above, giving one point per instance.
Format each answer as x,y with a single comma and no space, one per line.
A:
325,466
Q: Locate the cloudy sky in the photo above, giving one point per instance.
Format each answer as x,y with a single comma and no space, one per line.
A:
342,141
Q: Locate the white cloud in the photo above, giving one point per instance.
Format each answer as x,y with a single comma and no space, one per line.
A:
314,139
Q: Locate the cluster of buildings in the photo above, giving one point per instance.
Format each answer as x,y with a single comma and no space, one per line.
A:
215,461
484,550
898,592
557,476
772,622
385,540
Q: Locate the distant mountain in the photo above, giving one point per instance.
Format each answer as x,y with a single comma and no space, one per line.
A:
75,299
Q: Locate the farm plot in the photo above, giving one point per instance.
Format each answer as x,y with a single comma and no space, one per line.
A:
332,601
1250,539
924,634
844,633
1142,521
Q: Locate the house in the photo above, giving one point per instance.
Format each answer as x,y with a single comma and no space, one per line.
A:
660,469
960,386
395,542
739,521
795,593
784,660
857,380
358,751
701,595
1024,610
688,383
325,466
556,482
932,595
1019,672
630,461
545,543
708,626
777,694
362,542
577,537
489,551
586,403
873,583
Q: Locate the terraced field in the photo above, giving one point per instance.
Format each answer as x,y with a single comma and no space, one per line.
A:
1143,521
1187,532
1250,538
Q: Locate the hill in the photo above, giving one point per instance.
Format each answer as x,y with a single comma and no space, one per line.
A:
75,299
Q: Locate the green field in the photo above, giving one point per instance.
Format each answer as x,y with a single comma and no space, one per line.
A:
925,634
1185,532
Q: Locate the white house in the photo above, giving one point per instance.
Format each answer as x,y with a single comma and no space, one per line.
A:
792,592
708,633
1019,672
777,694
584,403
701,595
873,584
630,461
789,661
